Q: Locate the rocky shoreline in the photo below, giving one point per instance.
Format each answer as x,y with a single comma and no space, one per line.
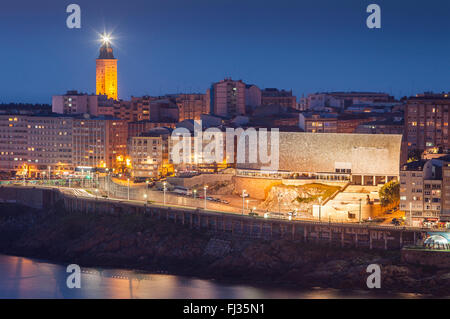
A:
143,243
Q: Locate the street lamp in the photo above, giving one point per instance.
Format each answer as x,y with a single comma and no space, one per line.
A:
195,193
360,210
146,190
128,188
164,189
96,193
243,200
204,189
320,209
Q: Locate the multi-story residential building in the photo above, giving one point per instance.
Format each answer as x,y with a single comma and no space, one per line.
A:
319,101
445,196
426,122
273,96
149,153
98,141
39,144
253,95
331,122
422,189
13,142
318,122
191,106
73,103
164,110
226,98
138,127
382,126
49,144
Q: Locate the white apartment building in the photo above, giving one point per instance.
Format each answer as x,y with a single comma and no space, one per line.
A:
421,191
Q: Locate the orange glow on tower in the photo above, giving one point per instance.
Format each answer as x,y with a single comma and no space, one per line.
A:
106,71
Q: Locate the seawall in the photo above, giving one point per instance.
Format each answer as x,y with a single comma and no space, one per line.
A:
235,225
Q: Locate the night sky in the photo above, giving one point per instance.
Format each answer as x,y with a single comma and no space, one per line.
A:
169,46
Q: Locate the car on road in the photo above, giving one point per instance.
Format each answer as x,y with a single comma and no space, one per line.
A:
253,214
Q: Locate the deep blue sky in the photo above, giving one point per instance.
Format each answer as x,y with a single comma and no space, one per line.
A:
168,46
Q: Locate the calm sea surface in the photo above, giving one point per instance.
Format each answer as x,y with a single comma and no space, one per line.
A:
29,278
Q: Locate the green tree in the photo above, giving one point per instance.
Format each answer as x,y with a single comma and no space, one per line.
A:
390,193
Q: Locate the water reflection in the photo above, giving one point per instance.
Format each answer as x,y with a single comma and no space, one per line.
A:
27,278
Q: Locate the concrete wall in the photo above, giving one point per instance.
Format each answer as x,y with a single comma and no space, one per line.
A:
28,196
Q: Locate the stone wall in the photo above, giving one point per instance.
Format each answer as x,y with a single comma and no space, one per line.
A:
203,179
439,259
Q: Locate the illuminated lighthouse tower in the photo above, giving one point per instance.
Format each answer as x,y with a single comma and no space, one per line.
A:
106,70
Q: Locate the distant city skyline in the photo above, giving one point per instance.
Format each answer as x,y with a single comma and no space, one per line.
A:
175,46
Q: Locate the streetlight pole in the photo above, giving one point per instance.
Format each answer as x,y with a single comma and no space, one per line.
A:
243,200
320,209
107,185
360,210
146,190
164,189
128,189
205,188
